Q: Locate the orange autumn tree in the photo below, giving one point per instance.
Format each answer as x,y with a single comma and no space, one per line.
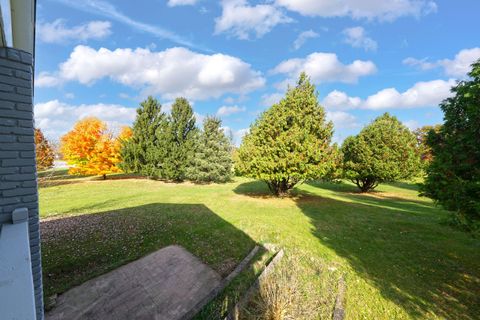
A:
91,149
43,151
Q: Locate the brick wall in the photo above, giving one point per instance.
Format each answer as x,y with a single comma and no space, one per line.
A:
18,184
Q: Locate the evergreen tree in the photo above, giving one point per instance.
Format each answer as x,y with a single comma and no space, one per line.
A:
136,151
290,142
383,151
176,142
213,158
453,176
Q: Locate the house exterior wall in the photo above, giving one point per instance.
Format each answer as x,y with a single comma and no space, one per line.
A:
18,178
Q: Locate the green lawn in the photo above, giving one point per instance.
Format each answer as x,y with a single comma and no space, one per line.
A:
399,260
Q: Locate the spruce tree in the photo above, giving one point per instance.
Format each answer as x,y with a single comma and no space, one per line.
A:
176,142
290,142
136,151
213,156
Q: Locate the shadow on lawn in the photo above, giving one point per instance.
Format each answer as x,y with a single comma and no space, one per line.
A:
398,246
59,177
78,248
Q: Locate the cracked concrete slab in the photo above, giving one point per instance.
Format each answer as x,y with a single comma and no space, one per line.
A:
163,285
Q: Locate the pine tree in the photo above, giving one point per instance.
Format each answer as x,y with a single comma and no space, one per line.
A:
136,152
213,156
176,142
290,142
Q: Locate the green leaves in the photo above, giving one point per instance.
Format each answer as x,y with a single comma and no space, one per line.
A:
383,151
290,142
453,176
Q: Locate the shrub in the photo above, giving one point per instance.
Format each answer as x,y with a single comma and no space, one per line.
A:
383,151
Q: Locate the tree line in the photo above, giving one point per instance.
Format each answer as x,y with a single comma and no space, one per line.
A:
291,142
160,146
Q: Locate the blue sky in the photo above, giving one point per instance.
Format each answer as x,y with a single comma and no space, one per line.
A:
234,58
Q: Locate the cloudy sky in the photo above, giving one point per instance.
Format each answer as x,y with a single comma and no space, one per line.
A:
234,58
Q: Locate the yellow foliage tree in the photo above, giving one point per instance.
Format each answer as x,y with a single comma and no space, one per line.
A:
44,151
91,149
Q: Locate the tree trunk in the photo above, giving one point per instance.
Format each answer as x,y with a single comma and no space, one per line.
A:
366,184
104,177
280,188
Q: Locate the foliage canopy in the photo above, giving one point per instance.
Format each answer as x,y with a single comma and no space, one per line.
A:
289,142
383,151
43,151
91,150
453,176
213,159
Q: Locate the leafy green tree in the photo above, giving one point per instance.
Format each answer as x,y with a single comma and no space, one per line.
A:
213,158
383,151
136,151
176,142
290,142
453,176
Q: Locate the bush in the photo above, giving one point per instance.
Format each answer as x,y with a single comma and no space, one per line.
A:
383,151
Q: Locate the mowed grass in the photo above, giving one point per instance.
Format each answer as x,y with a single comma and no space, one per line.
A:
399,261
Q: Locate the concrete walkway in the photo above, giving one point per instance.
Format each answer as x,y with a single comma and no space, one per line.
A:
163,285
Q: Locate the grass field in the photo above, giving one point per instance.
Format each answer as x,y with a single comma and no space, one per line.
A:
399,261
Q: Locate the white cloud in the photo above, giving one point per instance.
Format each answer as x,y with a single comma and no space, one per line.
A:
412,124
303,37
58,32
337,100
458,67
173,72
106,9
228,110
173,3
46,80
461,64
269,100
342,119
422,64
325,67
360,9
240,19
357,38
237,135
421,94
56,118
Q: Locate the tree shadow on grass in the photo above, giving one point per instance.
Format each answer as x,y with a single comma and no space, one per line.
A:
78,248
399,247
59,177
405,185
